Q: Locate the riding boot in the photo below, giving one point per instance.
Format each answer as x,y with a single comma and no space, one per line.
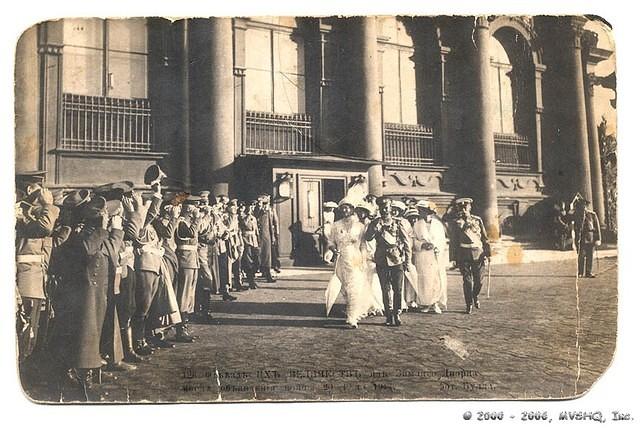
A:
130,355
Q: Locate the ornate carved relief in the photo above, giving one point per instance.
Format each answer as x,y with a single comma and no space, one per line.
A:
521,184
415,181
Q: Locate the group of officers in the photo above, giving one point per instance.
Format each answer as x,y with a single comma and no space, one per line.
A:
103,275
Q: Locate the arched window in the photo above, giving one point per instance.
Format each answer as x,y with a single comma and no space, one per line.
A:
513,99
501,89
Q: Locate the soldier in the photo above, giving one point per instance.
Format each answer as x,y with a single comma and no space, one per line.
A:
392,256
235,244
148,260
470,249
588,237
249,231
268,235
188,263
207,281
221,255
36,217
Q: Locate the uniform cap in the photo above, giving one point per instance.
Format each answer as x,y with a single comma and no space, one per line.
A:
115,190
95,207
463,201
76,198
330,204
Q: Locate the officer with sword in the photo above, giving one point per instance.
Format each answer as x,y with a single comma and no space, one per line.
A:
469,248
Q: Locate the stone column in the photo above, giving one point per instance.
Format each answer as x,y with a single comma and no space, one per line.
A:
593,56
444,105
183,101
485,197
366,119
580,143
222,105
539,70
26,102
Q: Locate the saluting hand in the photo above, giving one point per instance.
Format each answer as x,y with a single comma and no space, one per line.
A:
116,222
46,197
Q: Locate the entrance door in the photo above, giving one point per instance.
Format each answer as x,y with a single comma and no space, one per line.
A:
313,192
310,204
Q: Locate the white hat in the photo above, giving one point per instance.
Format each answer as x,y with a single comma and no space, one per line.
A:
398,204
330,204
426,205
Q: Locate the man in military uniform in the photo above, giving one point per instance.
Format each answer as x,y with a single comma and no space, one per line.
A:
392,257
469,248
588,237
36,217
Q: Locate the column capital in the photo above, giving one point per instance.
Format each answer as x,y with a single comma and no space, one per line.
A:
591,81
576,30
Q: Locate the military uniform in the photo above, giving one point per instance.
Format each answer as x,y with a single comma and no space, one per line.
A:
148,261
588,236
469,248
33,249
393,252
235,248
188,263
251,253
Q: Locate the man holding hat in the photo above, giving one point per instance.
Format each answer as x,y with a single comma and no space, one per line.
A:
469,248
36,217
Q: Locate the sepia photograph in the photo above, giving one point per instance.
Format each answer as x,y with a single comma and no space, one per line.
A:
315,208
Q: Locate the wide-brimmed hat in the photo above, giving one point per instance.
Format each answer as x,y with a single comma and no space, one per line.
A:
411,212
427,205
95,208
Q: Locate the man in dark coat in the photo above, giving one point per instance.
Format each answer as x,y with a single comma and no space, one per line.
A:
268,235
588,237
85,276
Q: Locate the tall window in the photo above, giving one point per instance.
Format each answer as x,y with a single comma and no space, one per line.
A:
104,84
501,89
105,57
398,75
274,71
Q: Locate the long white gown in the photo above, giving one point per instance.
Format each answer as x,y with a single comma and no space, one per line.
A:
347,236
431,267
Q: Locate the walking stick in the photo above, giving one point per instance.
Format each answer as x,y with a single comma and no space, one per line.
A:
489,279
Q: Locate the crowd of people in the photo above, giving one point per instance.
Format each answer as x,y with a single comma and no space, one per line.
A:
392,255
104,276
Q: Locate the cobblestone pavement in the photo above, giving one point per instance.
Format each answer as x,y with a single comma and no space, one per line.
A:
540,334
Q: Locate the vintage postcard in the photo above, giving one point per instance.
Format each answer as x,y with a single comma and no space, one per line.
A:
311,208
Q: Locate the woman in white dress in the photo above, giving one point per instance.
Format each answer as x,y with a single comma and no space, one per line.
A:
371,290
430,256
344,244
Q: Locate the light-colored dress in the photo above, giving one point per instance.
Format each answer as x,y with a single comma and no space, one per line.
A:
347,237
430,265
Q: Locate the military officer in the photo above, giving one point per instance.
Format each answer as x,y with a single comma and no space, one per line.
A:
36,217
187,240
588,237
251,253
392,256
470,249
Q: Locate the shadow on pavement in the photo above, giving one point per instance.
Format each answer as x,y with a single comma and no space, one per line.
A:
280,322
297,309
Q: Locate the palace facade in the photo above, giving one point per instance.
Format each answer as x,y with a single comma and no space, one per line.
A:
497,108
